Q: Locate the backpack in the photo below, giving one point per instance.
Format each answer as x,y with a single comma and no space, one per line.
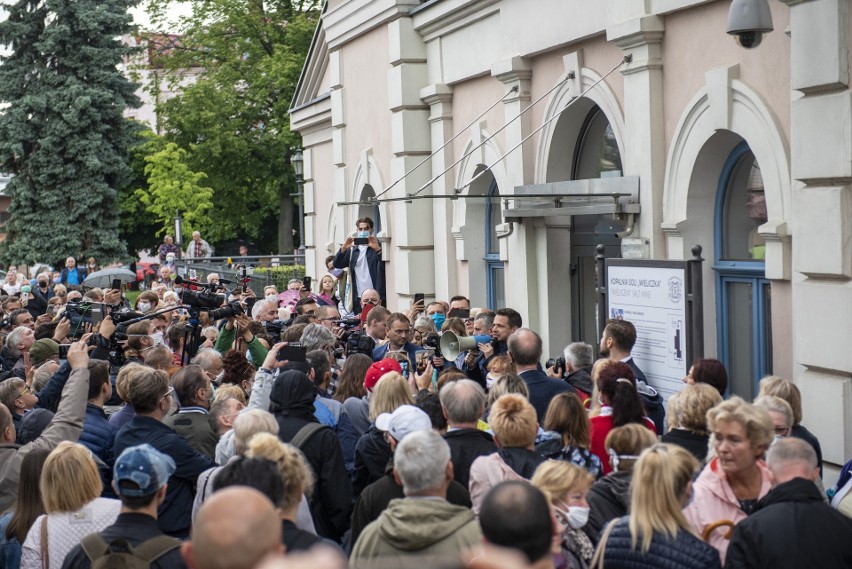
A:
104,556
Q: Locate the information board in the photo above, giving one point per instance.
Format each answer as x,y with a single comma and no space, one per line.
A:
653,298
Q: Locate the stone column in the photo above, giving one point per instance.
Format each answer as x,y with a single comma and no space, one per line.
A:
822,219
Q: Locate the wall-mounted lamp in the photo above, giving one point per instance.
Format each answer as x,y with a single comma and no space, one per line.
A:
748,20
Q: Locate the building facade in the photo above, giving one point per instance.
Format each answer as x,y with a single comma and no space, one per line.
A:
746,152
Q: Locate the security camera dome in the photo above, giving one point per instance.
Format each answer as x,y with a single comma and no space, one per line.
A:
748,20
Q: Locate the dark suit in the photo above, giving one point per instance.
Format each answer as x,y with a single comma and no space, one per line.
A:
653,402
542,388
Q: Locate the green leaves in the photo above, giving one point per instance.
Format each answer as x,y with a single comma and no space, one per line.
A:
63,134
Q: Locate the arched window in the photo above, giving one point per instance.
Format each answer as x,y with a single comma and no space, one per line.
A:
495,280
596,154
744,295
372,210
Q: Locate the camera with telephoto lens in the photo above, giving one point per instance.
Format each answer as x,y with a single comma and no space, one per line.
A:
359,343
433,341
119,316
558,365
233,308
201,299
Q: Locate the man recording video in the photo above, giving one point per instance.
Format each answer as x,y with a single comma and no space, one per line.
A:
362,255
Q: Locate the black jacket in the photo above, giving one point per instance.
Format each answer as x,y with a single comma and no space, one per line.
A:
372,454
685,551
135,529
331,500
609,498
652,401
800,432
174,516
792,527
694,443
376,497
466,445
581,380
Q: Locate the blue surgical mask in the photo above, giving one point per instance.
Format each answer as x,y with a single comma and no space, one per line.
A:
362,234
438,319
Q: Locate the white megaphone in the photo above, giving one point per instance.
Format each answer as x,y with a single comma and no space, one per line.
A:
452,345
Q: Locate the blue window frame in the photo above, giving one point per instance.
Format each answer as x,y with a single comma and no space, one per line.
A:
495,280
743,294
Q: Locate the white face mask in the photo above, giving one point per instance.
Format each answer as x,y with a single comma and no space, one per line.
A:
272,297
576,516
144,306
489,381
157,337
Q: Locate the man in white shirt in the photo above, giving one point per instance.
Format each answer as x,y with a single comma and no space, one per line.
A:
362,255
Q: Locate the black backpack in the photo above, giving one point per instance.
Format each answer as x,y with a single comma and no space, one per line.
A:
104,555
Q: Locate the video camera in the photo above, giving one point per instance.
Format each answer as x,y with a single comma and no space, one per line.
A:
359,343
433,340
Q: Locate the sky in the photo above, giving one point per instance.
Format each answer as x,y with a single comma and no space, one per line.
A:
140,17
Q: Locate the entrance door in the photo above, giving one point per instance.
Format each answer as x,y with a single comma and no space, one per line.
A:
584,298
743,294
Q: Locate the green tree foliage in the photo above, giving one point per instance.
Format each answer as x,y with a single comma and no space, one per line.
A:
138,228
233,120
63,135
174,188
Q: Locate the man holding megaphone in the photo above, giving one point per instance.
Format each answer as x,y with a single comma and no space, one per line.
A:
506,321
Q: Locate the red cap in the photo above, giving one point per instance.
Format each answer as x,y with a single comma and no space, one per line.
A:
378,369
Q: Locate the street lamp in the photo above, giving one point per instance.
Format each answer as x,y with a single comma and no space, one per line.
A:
298,162
178,230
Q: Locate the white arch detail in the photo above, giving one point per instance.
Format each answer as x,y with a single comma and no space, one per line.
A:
726,103
487,153
368,173
601,95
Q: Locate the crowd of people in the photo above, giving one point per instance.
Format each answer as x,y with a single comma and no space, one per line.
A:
314,433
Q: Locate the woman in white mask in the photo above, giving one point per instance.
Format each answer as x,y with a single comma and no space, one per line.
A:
146,302
567,486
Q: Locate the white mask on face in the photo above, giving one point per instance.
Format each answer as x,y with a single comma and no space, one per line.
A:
157,337
272,298
489,381
144,306
576,516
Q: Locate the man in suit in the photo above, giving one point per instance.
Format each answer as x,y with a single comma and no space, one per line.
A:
398,335
617,341
525,350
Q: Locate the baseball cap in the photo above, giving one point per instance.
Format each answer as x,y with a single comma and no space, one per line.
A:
42,350
145,466
404,420
378,369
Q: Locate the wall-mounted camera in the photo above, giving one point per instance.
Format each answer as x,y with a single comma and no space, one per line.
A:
748,20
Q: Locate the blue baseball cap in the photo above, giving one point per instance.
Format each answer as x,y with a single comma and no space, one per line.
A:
146,467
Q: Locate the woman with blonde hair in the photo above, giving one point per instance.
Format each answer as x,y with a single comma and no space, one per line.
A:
298,481
125,377
656,527
787,390
509,383
70,490
687,418
609,497
372,451
515,424
567,486
730,486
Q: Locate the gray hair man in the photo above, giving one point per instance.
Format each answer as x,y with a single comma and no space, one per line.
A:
414,530
792,526
463,403
579,358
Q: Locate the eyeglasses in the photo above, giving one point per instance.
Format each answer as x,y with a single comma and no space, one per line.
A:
783,431
167,393
26,390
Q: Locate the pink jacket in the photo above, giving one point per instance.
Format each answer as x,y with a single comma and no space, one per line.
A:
714,501
485,473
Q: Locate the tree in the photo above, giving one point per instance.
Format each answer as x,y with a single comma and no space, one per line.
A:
63,135
174,188
233,120
137,226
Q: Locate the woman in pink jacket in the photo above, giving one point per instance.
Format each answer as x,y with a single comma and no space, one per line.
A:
736,478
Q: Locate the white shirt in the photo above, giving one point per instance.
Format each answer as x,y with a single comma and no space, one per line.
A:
362,271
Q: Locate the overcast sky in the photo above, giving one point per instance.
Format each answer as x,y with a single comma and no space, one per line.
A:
141,18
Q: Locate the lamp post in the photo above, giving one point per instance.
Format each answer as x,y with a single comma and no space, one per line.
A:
178,230
298,162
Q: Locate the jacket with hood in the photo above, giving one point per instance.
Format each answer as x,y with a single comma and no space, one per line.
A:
505,464
609,498
375,499
372,454
331,500
655,407
417,533
792,527
714,501
466,445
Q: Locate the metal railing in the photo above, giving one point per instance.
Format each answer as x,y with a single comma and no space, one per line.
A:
264,270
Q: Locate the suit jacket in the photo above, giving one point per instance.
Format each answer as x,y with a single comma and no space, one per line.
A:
542,388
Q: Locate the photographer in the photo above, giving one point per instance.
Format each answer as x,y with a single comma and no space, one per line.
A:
578,361
362,255
227,335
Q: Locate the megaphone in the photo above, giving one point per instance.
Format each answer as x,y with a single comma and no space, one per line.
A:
452,345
